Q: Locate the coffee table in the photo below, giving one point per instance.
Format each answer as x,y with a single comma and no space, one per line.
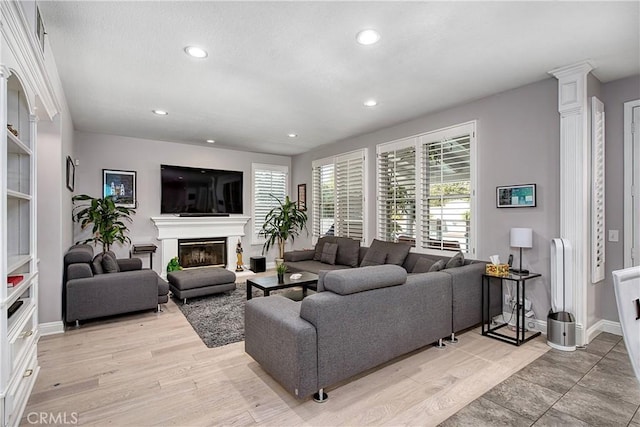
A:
270,283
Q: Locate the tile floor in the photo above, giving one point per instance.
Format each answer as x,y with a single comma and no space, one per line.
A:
595,386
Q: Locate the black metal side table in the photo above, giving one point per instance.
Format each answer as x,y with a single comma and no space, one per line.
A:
493,332
144,248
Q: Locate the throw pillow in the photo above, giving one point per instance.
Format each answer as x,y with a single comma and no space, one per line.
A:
109,263
423,265
348,251
96,264
456,261
320,245
329,252
437,266
382,252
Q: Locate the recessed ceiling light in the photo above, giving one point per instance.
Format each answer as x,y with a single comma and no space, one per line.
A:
367,37
159,112
196,52
211,141
292,135
370,103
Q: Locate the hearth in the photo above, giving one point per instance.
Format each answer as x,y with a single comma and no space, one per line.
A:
206,252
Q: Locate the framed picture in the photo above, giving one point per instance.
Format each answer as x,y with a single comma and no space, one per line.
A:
121,185
516,196
302,197
71,174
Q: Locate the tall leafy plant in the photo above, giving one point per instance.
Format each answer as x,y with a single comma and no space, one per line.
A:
282,223
106,219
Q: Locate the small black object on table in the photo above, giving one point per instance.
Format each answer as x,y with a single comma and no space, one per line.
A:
270,283
492,332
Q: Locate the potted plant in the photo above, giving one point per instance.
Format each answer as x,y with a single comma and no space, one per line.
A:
282,223
280,270
173,265
107,220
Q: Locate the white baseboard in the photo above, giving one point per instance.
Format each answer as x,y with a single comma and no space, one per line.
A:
604,326
51,328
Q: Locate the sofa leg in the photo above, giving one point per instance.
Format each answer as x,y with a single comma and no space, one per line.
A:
320,396
184,300
453,339
159,310
77,323
440,344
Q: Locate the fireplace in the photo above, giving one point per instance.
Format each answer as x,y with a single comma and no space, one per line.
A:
207,252
172,228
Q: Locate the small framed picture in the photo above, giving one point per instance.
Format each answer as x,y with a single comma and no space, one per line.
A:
516,196
71,174
121,185
302,197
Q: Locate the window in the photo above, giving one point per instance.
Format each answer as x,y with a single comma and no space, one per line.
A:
338,196
270,182
426,190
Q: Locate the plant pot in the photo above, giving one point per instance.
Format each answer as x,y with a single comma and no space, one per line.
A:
279,261
280,278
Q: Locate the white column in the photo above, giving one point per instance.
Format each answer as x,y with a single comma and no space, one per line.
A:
574,181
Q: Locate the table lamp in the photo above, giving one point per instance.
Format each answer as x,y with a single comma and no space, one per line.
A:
521,238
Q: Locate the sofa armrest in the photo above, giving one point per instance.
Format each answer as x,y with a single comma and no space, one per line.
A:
301,255
282,343
79,271
129,264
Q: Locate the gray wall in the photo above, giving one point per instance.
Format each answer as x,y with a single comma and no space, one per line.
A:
614,95
55,143
97,151
518,143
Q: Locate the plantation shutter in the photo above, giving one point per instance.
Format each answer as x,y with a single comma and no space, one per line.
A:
269,184
349,184
446,184
397,191
323,197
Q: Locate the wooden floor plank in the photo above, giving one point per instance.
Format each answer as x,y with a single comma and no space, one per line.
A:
153,369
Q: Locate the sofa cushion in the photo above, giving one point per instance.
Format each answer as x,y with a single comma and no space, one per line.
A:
348,250
320,245
78,253
423,265
353,280
109,263
437,266
455,261
382,252
302,255
96,264
329,252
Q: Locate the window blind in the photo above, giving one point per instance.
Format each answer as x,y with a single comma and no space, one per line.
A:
349,183
269,184
397,194
446,193
323,199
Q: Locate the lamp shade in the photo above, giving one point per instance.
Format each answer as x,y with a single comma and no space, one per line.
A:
521,238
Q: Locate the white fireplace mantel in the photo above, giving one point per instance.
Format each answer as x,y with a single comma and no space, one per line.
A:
172,228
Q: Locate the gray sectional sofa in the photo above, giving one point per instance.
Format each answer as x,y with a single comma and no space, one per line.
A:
91,292
362,317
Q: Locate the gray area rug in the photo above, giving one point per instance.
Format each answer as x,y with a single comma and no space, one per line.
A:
219,319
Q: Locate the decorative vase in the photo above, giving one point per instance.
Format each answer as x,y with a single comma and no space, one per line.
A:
280,278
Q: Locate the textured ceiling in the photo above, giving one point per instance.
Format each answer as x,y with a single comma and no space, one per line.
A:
294,67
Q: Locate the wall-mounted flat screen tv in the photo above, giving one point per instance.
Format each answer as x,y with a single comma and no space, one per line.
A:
199,191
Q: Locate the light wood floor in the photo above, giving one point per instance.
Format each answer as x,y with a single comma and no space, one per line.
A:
153,369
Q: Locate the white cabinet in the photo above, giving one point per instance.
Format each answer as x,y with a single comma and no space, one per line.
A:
18,263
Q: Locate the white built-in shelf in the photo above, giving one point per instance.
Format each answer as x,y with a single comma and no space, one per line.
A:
15,262
14,292
12,194
19,317
15,145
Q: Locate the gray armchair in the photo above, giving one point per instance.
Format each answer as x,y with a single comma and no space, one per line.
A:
89,292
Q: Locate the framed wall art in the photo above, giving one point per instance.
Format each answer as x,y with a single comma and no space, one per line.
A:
302,197
121,185
516,196
71,174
